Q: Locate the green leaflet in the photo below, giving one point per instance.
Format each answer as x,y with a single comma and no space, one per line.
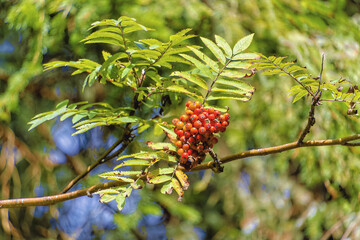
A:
202,67
246,56
118,178
140,155
208,61
239,64
229,95
120,173
180,36
136,162
120,200
230,90
167,129
161,146
107,198
236,83
46,117
159,179
243,44
167,188
214,49
299,95
221,42
181,89
191,78
62,104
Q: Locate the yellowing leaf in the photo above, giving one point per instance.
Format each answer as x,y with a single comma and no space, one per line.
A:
183,178
179,190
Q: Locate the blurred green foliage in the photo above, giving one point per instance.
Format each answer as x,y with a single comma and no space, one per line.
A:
294,195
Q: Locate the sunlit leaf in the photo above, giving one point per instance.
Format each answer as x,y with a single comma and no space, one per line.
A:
159,179
218,53
183,179
221,42
191,78
243,44
179,190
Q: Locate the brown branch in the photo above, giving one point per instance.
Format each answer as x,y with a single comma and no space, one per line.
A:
49,200
315,102
311,118
281,148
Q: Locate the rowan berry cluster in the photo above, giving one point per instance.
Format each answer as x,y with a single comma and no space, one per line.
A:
195,132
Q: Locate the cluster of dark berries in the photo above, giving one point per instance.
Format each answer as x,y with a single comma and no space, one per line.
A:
195,132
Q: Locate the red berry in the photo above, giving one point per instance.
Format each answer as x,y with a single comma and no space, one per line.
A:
197,111
202,130
200,138
190,152
197,104
210,110
179,144
185,155
214,140
207,126
189,112
218,125
179,132
222,129
227,116
184,118
186,147
213,129
188,103
183,139
222,118
197,124
187,134
211,116
200,147
202,117
192,106
188,126
194,130
180,151
179,125
194,118
191,140
225,123
217,113
175,121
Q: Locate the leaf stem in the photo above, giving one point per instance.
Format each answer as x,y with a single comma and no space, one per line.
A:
289,74
215,79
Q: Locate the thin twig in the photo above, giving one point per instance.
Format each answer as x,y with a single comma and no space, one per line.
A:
215,79
351,228
292,76
311,119
102,159
315,102
333,228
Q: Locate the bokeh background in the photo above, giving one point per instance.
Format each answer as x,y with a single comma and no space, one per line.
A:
300,194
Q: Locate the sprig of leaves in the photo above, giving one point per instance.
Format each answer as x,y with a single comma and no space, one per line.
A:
340,90
221,79
160,168
86,116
